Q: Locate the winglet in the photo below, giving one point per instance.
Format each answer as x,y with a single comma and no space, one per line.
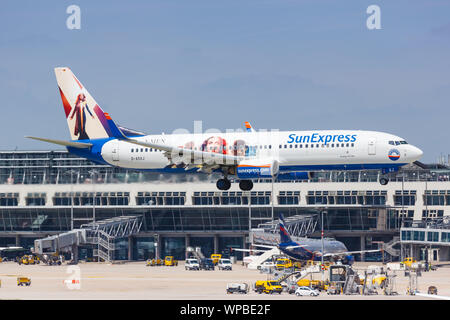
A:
248,126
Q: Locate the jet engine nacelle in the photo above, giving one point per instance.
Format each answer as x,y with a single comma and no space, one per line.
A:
257,168
295,176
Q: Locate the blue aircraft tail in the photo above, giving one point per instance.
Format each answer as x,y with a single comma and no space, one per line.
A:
284,234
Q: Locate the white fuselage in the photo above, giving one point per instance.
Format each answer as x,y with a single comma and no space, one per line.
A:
294,150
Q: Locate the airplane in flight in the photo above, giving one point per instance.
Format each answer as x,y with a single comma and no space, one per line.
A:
247,155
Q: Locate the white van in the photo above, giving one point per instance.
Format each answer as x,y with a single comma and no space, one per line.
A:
224,264
191,264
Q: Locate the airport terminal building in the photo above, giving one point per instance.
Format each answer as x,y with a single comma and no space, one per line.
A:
44,193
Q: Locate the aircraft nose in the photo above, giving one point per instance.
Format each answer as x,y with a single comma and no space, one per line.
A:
416,153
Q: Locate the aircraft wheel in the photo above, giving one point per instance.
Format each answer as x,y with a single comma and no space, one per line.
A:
246,185
384,181
223,184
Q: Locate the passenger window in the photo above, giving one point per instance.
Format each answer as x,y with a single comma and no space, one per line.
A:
301,146
342,145
306,146
347,145
290,146
312,146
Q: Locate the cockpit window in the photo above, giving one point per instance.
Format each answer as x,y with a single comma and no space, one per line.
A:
396,143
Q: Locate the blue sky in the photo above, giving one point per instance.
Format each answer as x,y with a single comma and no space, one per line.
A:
157,66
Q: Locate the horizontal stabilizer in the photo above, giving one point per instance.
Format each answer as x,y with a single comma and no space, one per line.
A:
80,145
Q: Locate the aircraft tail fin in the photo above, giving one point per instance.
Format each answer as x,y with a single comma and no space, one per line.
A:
284,234
86,120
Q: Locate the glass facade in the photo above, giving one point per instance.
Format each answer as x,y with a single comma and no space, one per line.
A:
144,248
173,246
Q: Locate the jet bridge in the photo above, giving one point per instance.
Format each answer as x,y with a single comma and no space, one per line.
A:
102,234
297,225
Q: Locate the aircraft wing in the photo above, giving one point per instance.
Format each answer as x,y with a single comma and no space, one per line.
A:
264,246
298,246
192,158
248,250
349,253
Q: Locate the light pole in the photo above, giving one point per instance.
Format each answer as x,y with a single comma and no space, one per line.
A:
93,174
323,246
71,172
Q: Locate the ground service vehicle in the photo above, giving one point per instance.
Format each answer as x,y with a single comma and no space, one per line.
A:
154,262
270,287
215,257
191,264
409,261
23,281
314,284
432,290
379,281
225,264
26,260
267,264
206,264
333,289
283,263
306,291
169,261
237,288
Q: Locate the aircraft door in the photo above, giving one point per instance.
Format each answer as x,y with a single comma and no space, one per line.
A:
372,147
115,150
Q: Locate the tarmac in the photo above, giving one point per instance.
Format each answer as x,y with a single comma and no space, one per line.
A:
136,281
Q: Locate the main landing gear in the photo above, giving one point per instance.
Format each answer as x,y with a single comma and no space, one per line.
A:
225,184
246,185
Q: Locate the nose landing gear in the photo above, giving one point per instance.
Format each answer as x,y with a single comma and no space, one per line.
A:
384,181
